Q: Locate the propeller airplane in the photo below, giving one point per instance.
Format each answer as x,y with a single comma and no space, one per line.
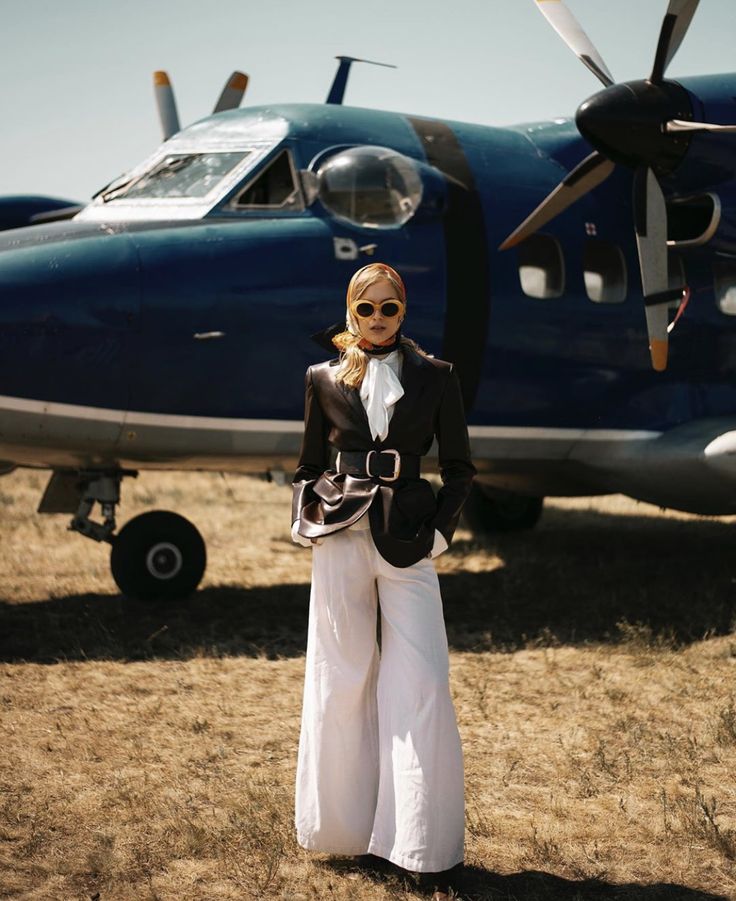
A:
166,324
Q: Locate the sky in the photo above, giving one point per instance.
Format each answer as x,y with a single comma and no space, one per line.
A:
77,105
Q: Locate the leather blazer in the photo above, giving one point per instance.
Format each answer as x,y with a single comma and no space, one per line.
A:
403,514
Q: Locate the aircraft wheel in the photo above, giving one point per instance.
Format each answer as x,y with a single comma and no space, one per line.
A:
158,556
493,510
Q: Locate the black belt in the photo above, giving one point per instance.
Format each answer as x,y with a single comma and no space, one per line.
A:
386,465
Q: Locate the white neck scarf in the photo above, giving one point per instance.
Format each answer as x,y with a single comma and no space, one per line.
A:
379,391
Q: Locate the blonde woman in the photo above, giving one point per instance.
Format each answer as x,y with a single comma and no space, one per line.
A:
380,767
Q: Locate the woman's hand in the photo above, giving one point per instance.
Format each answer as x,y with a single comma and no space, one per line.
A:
300,539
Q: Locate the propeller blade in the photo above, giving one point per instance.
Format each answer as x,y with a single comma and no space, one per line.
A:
584,177
166,104
232,93
684,125
676,22
650,221
568,28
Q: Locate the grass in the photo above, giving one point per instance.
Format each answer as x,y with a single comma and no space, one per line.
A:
149,751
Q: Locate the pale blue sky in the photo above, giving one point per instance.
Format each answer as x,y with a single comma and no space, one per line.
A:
77,107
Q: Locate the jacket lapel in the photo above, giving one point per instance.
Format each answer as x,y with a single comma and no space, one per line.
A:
351,397
413,383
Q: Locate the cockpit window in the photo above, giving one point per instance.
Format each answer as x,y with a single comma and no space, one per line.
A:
373,187
273,188
179,175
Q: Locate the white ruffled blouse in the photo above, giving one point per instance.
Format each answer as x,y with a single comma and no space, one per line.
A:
380,389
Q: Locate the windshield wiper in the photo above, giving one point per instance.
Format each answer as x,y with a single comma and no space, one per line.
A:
113,188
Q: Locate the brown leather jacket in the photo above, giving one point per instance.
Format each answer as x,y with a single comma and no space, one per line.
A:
403,514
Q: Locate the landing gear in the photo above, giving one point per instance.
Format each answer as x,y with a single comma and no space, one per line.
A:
490,509
156,556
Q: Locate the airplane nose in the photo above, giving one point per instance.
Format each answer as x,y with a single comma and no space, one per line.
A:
68,307
77,277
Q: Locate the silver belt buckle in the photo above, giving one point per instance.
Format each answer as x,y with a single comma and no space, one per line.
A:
397,464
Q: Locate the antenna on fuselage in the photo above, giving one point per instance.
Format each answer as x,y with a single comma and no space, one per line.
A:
230,98
337,91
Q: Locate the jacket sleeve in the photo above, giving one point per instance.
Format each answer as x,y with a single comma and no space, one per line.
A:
315,453
456,469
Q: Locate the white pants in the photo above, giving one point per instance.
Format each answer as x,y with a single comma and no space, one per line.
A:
380,766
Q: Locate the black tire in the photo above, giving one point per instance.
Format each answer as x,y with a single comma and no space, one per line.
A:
493,510
158,556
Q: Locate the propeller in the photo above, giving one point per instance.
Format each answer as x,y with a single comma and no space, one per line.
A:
644,125
566,25
232,93
230,98
676,22
166,104
587,175
650,223
683,125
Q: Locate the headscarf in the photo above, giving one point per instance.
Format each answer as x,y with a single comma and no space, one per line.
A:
357,351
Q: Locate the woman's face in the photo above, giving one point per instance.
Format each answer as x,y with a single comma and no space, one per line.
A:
378,328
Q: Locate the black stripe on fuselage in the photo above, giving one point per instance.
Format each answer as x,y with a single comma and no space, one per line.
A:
466,256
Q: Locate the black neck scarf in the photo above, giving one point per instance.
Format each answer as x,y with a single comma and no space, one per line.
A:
384,348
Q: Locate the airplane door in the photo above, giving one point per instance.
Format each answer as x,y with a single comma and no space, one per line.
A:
228,308
391,208
416,251
382,206
227,311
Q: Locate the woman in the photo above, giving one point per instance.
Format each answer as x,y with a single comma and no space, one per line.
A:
380,768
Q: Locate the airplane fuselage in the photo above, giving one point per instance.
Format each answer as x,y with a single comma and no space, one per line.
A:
151,333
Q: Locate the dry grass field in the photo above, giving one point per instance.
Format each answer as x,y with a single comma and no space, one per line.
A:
148,751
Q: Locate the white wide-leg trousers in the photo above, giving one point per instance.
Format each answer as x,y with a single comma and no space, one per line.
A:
380,766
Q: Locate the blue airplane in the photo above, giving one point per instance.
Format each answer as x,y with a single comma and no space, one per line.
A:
581,274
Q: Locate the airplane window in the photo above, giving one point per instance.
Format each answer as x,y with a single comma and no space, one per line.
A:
724,273
179,175
541,267
604,272
275,187
373,187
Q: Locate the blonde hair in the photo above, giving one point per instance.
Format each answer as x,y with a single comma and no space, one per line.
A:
353,360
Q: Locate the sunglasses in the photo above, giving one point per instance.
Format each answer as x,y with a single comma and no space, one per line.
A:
387,308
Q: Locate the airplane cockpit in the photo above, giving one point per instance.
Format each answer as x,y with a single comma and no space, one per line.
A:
190,174
250,166
177,175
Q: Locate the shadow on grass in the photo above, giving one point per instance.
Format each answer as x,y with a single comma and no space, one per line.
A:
531,885
581,577
477,884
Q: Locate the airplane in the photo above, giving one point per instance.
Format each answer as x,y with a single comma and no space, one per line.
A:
169,322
